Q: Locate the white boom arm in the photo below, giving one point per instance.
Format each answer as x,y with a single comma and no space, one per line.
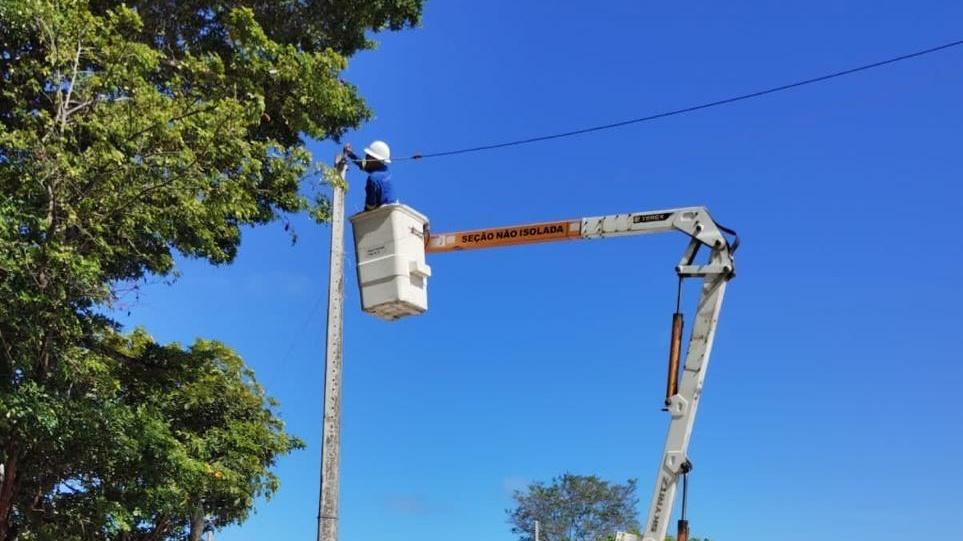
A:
715,273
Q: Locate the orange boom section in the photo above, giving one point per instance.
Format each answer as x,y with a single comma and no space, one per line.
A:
505,236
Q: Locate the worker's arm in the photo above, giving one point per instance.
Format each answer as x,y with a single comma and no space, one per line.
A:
352,157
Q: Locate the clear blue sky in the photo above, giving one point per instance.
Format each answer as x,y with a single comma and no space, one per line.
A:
832,407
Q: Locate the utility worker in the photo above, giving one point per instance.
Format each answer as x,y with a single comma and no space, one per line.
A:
377,190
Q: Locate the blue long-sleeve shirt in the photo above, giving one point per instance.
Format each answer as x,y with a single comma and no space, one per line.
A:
377,190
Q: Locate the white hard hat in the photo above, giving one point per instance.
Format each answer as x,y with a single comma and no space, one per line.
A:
379,150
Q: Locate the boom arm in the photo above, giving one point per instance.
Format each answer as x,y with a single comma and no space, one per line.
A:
715,273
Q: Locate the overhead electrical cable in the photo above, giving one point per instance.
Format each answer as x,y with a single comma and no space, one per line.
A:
690,109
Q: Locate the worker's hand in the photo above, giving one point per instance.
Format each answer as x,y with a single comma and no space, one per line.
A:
347,149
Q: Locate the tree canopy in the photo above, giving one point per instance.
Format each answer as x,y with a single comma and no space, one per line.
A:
149,441
130,133
574,508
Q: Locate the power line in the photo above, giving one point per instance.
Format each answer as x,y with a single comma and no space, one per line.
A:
294,338
684,110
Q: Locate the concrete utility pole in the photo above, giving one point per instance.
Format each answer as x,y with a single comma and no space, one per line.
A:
331,424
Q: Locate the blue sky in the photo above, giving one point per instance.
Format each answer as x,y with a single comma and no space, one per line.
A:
833,400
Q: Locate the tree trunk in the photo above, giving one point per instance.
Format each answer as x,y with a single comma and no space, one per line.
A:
162,524
8,490
197,525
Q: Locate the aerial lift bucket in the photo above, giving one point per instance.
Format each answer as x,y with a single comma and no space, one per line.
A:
389,246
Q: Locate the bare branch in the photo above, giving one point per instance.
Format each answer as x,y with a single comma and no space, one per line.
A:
78,107
63,113
6,348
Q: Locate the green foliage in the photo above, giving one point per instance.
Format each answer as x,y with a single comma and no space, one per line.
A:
574,508
130,133
147,435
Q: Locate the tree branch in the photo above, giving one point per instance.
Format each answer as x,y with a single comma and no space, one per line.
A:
63,113
8,488
174,118
6,348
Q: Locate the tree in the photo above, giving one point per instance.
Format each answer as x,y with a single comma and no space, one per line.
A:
153,439
129,133
574,508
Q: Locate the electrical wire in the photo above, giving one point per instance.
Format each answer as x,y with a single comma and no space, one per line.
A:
684,110
292,342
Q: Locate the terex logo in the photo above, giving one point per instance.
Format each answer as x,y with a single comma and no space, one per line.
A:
646,218
659,505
